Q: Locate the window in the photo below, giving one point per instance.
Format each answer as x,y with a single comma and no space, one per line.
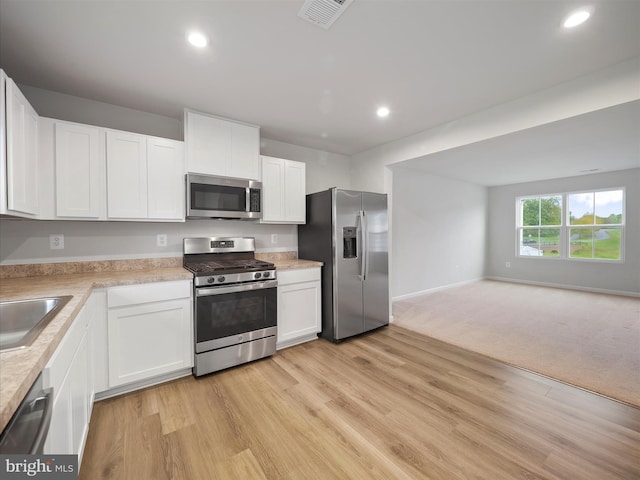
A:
540,222
593,227
596,222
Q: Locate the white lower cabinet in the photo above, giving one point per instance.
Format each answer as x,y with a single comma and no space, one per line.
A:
99,354
299,306
149,331
121,335
67,373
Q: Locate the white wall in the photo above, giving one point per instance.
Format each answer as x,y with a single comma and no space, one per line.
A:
82,110
324,170
439,232
27,241
606,276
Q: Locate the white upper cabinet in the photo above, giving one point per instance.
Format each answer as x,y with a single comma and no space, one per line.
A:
79,171
21,137
295,190
283,191
126,175
165,172
217,146
145,177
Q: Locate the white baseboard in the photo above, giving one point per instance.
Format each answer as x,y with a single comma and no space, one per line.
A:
566,287
436,289
525,282
296,341
131,387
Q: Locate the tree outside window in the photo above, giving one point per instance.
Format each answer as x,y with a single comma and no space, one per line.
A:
541,218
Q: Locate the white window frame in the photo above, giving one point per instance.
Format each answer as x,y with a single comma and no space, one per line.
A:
621,226
565,226
521,228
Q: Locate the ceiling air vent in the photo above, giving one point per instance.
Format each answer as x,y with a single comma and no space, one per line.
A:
323,12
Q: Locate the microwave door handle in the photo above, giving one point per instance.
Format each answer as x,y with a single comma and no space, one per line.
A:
247,201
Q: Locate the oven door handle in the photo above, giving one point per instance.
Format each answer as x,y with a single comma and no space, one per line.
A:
242,287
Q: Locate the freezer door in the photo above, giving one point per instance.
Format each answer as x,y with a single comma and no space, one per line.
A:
376,271
347,286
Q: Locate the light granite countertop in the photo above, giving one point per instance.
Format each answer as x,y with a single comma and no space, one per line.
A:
20,368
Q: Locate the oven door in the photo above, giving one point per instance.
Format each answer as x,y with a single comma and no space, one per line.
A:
229,315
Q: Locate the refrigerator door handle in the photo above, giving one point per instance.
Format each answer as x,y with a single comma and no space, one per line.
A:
362,223
365,246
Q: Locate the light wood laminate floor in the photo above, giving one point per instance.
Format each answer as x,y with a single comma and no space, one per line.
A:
388,405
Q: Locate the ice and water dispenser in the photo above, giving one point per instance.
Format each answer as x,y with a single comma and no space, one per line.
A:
349,242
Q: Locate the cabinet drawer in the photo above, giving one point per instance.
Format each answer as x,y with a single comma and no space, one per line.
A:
286,277
147,293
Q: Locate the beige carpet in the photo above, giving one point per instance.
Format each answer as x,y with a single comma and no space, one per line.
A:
590,340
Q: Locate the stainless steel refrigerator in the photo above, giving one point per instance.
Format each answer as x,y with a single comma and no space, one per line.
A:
348,230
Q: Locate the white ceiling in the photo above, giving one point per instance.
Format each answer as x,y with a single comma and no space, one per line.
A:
602,141
429,61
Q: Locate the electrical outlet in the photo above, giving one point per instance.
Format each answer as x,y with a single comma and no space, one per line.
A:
56,242
274,238
507,264
161,240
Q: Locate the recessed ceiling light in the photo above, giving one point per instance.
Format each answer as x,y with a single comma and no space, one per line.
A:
576,18
197,39
382,112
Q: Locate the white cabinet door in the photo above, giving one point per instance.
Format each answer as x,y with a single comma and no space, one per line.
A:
217,146
70,418
79,394
126,175
272,189
166,187
245,152
149,331
299,306
208,142
22,152
60,437
67,372
295,190
283,187
79,171
148,340
98,341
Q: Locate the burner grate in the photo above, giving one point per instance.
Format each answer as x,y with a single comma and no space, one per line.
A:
214,266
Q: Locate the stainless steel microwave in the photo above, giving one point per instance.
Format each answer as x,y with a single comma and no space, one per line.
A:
209,196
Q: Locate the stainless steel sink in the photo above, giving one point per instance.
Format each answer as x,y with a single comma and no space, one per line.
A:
21,321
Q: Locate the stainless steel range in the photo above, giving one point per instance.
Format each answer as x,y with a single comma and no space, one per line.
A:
235,299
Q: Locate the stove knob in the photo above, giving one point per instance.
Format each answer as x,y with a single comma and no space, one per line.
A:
211,280
257,275
221,279
266,274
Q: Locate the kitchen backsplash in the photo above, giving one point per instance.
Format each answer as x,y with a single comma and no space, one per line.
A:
27,241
